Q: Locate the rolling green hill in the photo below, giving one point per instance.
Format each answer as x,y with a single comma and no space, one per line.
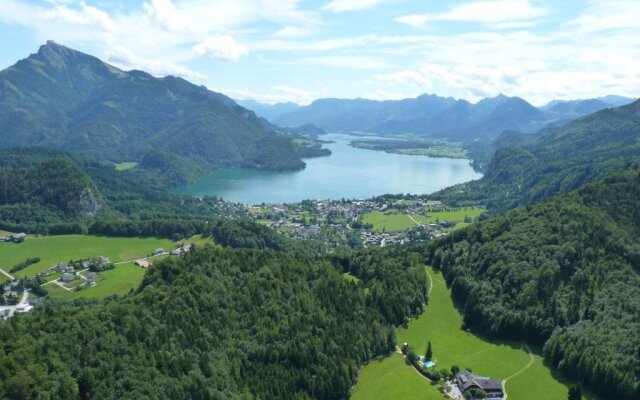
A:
63,98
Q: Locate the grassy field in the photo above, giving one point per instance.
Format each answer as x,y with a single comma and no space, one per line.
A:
393,220
55,249
126,165
456,215
388,220
198,241
117,281
441,323
445,152
390,378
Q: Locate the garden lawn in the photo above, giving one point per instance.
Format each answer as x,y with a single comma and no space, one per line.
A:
391,378
55,249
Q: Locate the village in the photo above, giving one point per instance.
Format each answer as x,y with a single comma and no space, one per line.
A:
376,222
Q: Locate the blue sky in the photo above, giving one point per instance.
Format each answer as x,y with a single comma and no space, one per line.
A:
290,50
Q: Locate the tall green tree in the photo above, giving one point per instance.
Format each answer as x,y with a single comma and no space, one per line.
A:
575,392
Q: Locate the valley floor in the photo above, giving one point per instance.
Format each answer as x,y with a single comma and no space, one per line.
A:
525,374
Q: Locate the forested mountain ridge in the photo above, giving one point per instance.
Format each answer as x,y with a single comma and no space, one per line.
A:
49,191
218,324
557,160
63,98
564,273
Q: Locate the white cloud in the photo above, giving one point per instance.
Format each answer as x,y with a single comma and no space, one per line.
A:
351,5
88,16
275,94
385,95
498,13
220,47
405,78
124,58
293,31
351,62
165,14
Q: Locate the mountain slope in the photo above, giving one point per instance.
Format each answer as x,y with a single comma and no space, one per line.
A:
564,273
63,98
559,160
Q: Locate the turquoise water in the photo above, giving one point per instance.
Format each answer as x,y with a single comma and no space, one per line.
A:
348,173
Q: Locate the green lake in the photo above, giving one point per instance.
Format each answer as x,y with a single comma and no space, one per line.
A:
348,173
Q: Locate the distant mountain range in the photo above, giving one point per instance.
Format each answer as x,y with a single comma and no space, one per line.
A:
69,100
269,111
527,169
432,115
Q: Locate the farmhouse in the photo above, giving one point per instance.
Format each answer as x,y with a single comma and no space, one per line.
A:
142,263
467,382
67,277
18,237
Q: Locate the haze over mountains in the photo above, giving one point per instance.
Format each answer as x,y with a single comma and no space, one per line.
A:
432,115
66,99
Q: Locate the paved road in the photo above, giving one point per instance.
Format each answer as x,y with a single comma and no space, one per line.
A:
12,309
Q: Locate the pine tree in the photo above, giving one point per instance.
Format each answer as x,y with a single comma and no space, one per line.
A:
429,353
575,392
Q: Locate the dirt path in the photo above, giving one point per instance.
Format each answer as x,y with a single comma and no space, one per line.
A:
414,220
8,276
526,367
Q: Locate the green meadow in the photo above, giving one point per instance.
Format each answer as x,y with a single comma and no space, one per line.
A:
118,281
457,215
388,220
441,325
394,220
55,249
126,165
390,378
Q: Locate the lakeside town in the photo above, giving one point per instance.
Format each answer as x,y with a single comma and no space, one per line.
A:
375,222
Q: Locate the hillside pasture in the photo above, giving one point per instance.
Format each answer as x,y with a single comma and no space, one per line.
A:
56,249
